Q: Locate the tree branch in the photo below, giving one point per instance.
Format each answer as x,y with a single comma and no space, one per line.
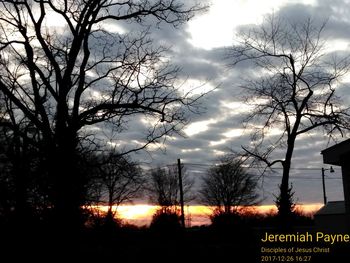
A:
262,158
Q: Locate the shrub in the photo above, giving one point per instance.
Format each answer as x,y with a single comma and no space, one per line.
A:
225,221
166,221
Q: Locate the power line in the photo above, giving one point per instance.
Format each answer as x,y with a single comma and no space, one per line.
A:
292,168
198,165
250,167
301,177
256,167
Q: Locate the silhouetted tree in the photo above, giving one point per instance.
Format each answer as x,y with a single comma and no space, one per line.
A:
19,161
291,204
163,188
227,185
64,78
166,220
294,94
6,193
120,179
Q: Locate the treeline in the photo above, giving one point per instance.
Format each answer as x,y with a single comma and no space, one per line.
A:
108,178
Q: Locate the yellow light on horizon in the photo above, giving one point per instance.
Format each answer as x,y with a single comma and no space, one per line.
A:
141,214
136,211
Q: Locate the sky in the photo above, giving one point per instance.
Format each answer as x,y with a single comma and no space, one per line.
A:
199,48
141,215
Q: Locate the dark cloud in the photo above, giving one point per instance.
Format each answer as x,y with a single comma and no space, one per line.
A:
334,13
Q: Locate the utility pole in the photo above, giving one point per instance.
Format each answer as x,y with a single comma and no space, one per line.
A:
182,216
331,170
324,188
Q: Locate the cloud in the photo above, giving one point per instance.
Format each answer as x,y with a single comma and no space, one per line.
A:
334,13
220,129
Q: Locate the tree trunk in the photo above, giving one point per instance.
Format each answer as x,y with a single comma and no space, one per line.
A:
227,209
285,202
20,171
67,181
110,202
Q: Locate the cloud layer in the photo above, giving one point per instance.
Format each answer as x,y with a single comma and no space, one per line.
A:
220,128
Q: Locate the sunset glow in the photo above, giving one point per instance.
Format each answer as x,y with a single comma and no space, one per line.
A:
196,215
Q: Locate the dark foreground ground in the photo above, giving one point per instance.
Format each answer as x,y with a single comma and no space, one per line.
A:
133,245
130,244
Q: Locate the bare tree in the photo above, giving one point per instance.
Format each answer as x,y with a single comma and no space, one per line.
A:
19,159
6,178
227,185
63,79
294,94
163,188
120,180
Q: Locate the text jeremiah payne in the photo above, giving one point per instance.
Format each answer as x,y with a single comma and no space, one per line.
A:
306,237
